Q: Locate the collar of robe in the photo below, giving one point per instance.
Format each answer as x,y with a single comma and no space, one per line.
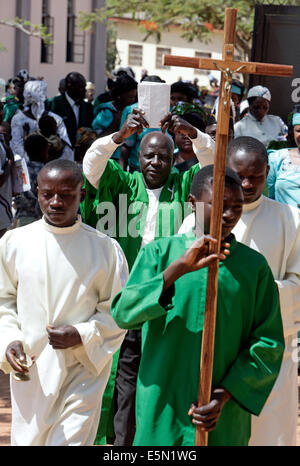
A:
62,230
252,205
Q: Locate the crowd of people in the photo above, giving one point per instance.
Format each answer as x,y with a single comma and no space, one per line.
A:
104,258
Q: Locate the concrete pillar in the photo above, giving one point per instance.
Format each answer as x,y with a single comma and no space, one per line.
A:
22,42
98,52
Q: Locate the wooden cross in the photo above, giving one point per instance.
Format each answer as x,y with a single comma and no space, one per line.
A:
227,66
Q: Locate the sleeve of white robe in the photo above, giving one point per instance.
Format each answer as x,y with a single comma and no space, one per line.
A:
9,324
204,148
289,286
101,337
96,158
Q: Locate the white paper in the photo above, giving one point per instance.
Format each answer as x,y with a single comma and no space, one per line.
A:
154,100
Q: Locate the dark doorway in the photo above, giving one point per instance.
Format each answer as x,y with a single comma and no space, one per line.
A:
276,40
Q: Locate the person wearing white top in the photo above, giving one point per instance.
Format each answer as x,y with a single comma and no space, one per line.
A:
258,123
57,281
25,122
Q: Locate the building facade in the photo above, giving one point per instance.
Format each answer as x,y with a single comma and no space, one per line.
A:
72,50
147,55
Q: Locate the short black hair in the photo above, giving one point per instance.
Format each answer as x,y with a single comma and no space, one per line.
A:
64,165
195,119
184,88
122,84
152,78
204,177
34,146
247,144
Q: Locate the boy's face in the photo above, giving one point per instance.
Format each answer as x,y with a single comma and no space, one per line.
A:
232,208
252,171
59,196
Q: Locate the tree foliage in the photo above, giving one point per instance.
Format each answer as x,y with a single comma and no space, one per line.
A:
196,18
34,30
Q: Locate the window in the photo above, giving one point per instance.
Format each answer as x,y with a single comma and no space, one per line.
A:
202,55
75,37
159,54
135,55
48,21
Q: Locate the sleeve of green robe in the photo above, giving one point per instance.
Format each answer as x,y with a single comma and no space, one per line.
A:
113,181
252,376
141,299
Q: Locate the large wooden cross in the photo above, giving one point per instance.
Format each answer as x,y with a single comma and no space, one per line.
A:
227,66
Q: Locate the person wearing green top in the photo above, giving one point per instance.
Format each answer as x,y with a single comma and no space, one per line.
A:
135,208
165,296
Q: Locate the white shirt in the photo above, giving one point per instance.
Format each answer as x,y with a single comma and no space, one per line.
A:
74,107
270,128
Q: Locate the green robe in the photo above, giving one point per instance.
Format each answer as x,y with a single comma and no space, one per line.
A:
132,205
248,341
134,198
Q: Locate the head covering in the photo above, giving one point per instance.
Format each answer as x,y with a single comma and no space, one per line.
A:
259,91
35,94
296,119
90,85
23,74
183,108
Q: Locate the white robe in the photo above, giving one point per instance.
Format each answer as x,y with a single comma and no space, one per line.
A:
273,229
59,276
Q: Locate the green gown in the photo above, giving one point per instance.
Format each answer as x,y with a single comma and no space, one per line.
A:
249,341
127,192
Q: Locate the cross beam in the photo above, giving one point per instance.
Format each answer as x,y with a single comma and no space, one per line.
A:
227,66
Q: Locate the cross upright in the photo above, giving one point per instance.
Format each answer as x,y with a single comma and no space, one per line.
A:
227,66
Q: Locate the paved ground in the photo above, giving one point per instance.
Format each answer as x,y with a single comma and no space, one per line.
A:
5,411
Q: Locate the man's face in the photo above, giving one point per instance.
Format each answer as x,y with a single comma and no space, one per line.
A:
59,196
156,160
259,108
75,87
232,208
252,171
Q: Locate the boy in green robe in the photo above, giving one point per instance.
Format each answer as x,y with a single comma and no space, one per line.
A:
135,208
167,301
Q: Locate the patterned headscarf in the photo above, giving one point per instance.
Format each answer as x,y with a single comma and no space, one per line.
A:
35,94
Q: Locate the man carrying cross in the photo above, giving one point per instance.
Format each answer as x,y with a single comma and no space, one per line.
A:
227,66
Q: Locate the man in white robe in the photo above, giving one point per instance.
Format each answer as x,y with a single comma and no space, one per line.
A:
273,229
57,280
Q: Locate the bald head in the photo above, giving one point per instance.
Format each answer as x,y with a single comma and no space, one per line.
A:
156,158
159,138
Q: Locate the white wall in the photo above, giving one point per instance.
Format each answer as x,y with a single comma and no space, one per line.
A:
52,73
128,33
